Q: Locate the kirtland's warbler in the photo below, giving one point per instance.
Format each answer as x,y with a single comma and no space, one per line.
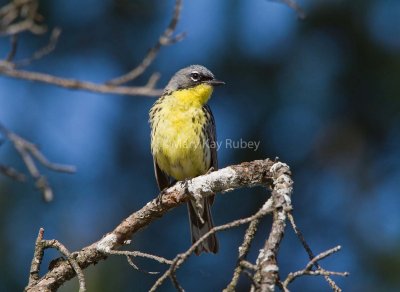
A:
183,140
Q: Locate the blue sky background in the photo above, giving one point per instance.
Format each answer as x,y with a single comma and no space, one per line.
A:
322,94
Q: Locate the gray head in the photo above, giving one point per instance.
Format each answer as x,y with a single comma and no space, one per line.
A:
190,77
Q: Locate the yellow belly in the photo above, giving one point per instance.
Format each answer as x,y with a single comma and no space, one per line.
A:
176,143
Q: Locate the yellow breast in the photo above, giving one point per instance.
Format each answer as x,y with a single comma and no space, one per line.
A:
178,137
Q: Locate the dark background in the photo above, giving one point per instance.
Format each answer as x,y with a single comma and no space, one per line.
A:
323,94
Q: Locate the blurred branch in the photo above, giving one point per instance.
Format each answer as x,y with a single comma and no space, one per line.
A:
12,173
77,84
29,152
19,16
296,7
13,49
55,34
164,40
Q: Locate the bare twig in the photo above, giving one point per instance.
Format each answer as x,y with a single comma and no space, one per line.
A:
70,258
55,34
13,49
29,152
243,250
322,255
159,259
12,173
37,259
172,275
307,270
247,265
165,39
152,82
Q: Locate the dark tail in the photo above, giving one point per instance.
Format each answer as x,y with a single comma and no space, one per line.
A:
198,229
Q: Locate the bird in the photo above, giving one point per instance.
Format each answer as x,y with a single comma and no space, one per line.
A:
183,141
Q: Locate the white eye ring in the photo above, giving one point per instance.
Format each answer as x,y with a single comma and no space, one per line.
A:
195,76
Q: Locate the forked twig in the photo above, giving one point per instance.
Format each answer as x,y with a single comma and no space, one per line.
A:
314,259
308,269
40,246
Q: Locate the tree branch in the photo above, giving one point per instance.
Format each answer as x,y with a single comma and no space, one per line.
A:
51,45
264,274
247,174
6,70
243,250
267,276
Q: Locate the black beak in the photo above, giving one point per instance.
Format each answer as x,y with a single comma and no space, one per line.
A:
216,82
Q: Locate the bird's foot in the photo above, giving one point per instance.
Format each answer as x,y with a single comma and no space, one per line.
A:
186,185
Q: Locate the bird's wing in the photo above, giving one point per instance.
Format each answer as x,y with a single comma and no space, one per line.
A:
161,177
211,134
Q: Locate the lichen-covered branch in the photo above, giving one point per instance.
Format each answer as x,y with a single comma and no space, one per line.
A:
267,275
264,274
247,174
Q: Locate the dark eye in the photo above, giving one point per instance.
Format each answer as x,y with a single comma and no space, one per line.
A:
195,76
